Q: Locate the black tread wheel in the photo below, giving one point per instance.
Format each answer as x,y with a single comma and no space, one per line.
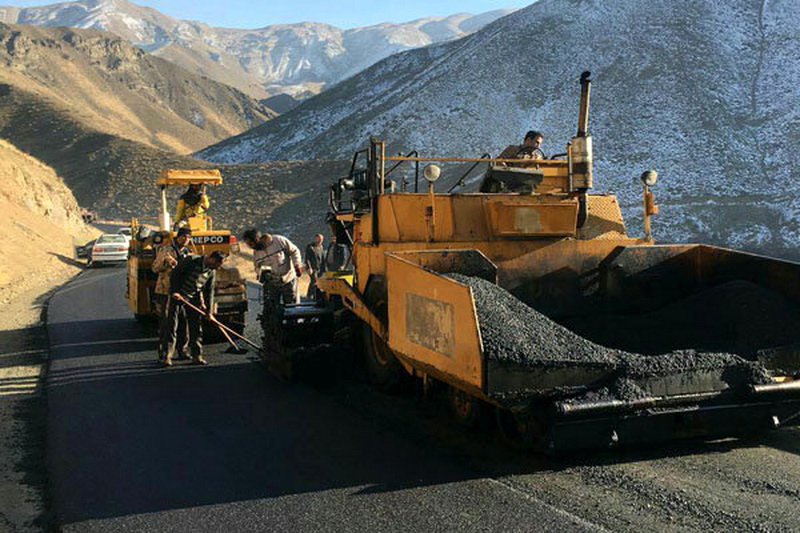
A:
467,410
521,431
385,372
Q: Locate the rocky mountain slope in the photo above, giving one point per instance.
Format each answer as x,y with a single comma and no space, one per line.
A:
703,91
294,58
40,217
119,89
115,176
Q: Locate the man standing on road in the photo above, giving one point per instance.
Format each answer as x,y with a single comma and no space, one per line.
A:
167,258
192,281
282,257
314,264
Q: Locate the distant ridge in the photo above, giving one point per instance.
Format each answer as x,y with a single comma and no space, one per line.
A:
705,92
299,59
122,90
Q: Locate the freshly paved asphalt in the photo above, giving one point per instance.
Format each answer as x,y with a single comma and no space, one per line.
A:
228,447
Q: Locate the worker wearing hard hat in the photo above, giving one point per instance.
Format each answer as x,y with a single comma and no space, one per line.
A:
167,258
194,202
529,149
277,263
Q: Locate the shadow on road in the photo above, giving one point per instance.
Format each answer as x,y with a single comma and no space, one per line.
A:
22,425
69,260
117,334
153,439
127,437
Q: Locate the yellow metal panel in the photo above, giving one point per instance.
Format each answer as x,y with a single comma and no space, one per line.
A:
472,217
186,177
369,259
432,323
604,219
132,288
533,219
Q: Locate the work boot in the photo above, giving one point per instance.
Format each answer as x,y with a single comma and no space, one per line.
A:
199,360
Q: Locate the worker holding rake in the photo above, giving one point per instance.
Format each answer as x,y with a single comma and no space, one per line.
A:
192,285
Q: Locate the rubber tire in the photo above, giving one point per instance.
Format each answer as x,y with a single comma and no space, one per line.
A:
239,325
466,409
521,434
385,372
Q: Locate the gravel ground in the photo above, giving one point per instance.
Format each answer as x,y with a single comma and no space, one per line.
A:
515,334
23,355
724,485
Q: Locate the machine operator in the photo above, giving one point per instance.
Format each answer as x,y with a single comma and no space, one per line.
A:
194,202
529,149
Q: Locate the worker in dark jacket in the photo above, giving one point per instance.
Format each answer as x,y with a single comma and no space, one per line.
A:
337,256
192,281
314,264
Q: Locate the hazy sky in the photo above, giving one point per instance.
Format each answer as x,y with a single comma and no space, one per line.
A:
342,13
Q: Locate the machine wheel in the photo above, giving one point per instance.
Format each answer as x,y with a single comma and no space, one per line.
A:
522,432
385,371
468,410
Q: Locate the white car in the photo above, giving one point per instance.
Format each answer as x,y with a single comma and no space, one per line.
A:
109,248
125,231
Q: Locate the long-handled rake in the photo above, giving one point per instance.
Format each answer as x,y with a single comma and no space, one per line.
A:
225,330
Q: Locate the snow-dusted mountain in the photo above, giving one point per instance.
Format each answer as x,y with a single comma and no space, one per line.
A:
704,91
298,59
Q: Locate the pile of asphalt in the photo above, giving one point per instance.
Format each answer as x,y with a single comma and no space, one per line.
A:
736,317
516,335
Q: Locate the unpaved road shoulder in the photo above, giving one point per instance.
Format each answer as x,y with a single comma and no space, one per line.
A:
23,356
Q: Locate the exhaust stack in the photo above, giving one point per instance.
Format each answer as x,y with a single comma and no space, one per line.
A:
580,147
583,114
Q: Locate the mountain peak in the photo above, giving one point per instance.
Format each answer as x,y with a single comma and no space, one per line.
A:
299,59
